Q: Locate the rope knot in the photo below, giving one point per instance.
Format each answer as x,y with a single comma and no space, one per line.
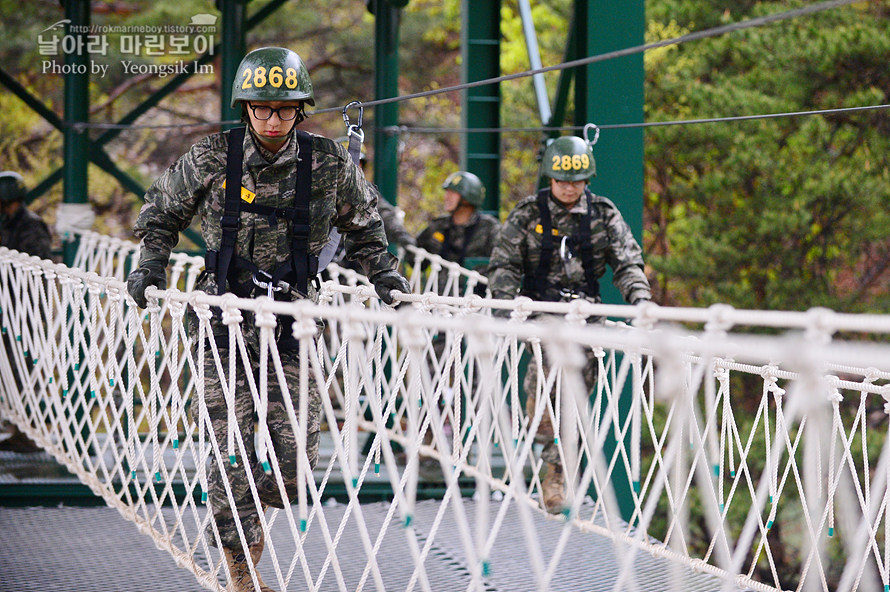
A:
473,303
176,308
231,314
202,309
719,321
647,317
522,310
265,319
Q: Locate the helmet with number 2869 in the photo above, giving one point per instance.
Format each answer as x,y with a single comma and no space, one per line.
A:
272,74
568,158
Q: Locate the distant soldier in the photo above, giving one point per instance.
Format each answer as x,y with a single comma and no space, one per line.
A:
268,196
20,228
554,246
464,234
24,231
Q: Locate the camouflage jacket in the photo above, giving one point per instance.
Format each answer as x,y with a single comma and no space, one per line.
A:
395,230
518,248
484,230
340,196
26,232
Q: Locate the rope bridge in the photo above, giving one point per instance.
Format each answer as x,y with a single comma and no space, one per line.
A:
705,458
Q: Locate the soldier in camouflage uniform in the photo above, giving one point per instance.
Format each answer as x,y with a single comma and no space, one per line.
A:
24,231
20,228
465,233
587,232
265,245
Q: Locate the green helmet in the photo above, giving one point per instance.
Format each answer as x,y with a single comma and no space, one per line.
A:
467,185
568,158
272,74
12,186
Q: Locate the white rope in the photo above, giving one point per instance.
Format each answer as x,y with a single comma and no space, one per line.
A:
684,438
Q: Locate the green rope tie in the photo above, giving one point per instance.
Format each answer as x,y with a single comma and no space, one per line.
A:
831,531
732,474
716,470
18,337
92,393
64,393
232,460
175,443
4,330
636,487
408,520
486,569
556,440
769,524
77,366
158,476
302,525
376,468
354,483
267,468
203,497
132,474
111,382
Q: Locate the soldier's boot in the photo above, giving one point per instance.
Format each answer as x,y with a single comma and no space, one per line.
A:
553,489
240,570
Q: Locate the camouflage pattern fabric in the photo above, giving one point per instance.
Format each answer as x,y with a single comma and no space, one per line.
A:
26,232
396,232
432,238
281,432
545,433
518,248
341,197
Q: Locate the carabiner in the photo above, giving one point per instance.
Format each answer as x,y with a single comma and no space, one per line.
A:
595,137
361,111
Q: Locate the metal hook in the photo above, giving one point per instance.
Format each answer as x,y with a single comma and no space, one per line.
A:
361,112
595,137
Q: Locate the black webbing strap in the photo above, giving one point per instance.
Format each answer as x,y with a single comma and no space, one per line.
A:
232,208
539,283
300,220
537,286
585,246
448,244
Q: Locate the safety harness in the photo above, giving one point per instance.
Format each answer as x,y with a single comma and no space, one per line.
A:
449,252
301,265
536,286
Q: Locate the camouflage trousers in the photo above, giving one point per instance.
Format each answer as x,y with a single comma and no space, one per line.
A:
545,434
281,432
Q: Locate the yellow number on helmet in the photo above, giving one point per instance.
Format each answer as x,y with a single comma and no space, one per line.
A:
576,162
275,78
585,160
566,162
291,79
555,163
246,83
259,77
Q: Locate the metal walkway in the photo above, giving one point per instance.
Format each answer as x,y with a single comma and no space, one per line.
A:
93,549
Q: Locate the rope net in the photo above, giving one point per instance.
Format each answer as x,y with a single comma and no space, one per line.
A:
750,461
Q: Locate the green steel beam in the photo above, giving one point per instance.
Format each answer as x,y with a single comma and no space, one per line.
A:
480,52
233,49
611,92
77,100
386,85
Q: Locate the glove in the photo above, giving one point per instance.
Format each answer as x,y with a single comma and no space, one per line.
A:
387,281
152,271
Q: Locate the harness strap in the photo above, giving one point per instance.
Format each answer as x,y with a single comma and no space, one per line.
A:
300,265
232,209
537,285
586,248
448,245
301,260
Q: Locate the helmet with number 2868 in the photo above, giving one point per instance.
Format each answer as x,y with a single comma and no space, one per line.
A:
272,74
